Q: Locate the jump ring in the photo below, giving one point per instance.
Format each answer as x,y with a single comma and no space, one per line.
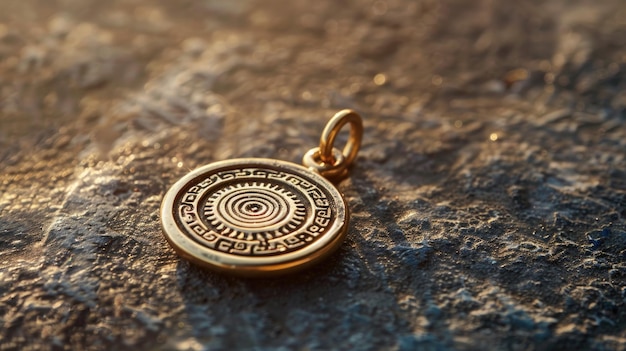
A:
333,127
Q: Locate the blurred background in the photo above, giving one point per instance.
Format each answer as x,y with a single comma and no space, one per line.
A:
488,201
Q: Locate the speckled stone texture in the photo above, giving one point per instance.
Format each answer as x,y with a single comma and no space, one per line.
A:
488,202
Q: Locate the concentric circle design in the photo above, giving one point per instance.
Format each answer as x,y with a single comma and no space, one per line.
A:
254,211
253,216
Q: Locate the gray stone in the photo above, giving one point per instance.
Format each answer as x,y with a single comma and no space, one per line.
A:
488,202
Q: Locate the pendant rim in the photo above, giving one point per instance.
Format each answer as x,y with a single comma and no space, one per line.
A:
189,248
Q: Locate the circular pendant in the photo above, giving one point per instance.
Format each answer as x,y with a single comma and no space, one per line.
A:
254,216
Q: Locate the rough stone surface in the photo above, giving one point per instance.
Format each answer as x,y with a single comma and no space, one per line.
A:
488,202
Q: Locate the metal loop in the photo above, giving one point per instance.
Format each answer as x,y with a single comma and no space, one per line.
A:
312,160
333,127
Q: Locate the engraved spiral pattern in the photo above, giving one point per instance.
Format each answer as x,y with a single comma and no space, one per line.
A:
254,211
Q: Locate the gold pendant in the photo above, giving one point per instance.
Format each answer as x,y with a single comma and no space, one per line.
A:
262,217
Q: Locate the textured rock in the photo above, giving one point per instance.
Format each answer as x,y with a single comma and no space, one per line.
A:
488,201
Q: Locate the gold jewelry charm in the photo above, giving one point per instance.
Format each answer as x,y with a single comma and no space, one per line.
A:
260,217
